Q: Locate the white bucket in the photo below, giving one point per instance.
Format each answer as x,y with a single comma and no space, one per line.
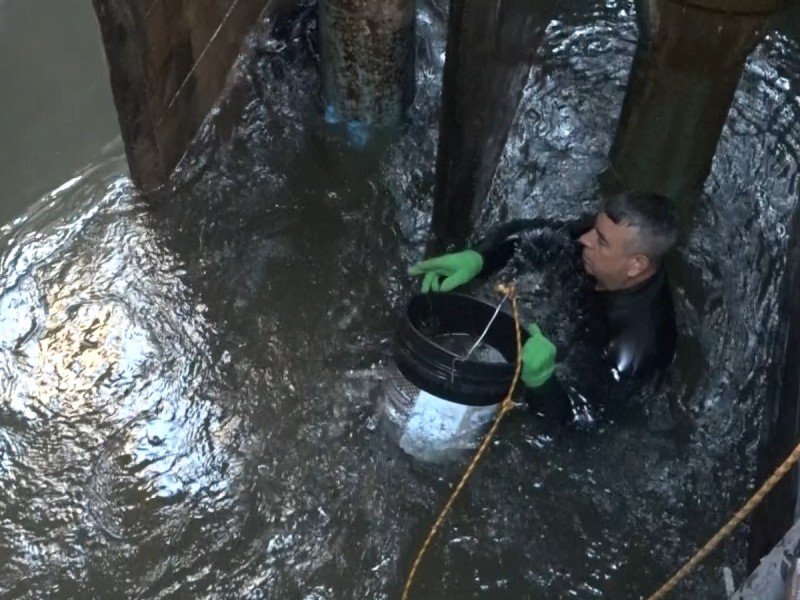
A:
428,427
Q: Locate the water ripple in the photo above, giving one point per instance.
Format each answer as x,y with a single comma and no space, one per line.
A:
188,398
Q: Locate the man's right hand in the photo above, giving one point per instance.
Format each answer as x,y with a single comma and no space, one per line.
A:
457,269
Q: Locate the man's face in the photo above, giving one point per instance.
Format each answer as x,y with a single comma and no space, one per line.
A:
608,254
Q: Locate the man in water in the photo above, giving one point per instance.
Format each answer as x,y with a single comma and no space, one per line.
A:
632,333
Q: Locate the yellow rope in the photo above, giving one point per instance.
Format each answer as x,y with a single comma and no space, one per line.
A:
740,516
506,405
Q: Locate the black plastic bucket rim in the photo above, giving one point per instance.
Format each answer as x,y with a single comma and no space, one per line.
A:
443,373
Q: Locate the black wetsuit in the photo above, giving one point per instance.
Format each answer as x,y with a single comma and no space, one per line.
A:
624,336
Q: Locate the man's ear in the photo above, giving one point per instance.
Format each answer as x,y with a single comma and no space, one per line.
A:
638,264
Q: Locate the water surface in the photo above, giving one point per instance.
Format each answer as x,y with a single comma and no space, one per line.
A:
189,406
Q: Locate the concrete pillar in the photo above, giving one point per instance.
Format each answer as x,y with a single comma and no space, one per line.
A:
779,510
688,63
367,50
168,61
491,45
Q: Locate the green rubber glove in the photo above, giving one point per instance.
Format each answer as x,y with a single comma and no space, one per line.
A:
457,269
538,358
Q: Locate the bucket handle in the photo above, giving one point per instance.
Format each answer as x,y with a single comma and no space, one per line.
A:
477,342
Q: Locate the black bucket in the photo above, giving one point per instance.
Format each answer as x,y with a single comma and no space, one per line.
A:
440,371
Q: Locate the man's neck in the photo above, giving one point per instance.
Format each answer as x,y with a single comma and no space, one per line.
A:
631,282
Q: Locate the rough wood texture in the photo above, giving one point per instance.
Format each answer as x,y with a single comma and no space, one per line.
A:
779,510
687,67
740,7
168,61
490,49
367,51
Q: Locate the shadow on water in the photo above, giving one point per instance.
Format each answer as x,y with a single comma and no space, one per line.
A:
189,393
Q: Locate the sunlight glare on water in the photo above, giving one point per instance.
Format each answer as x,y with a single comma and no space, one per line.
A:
188,387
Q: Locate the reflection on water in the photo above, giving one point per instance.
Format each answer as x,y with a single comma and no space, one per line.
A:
111,405
188,403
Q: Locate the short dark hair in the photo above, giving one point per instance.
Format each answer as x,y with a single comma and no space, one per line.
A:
652,215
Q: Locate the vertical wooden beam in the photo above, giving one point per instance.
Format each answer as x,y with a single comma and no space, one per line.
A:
367,49
168,61
491,45
776,514
688,63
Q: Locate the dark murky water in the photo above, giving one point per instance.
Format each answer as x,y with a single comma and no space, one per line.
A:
57,112
189,404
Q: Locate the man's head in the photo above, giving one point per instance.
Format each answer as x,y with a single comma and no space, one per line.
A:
630,236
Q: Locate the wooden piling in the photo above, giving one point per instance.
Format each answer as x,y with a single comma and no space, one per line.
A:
168,61
688,63
367,50
781,414
491,45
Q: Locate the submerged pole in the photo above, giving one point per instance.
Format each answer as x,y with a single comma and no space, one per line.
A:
688,62
781,509
367,56
168,62
491,45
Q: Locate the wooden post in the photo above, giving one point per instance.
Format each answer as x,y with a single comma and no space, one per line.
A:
367,50
168,61
491,46
687,66
778,512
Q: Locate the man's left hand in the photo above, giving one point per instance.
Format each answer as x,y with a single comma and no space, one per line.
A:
538,358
